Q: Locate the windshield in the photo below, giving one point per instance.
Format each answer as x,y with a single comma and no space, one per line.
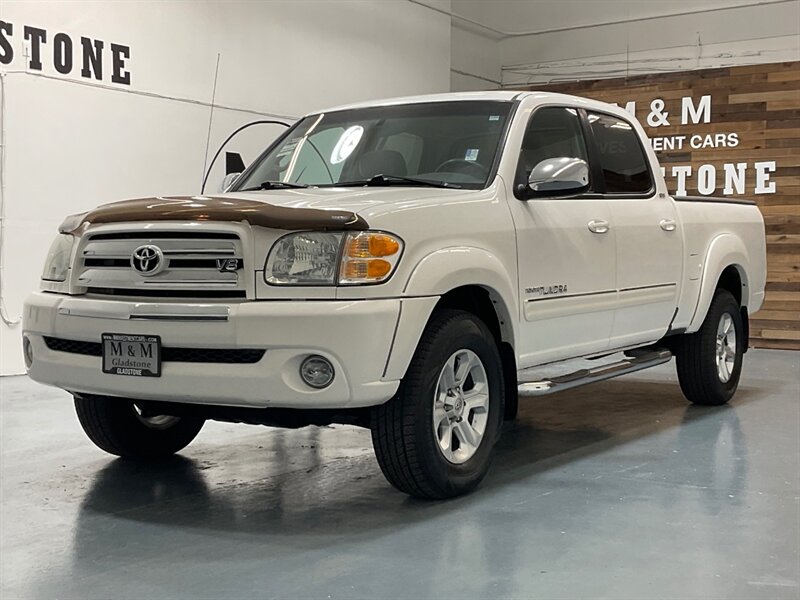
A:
452,144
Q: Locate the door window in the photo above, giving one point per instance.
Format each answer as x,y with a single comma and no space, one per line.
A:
553,132
622,158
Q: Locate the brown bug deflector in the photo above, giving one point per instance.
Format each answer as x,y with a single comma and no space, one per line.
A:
205,208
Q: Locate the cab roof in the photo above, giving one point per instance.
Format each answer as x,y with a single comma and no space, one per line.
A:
496,95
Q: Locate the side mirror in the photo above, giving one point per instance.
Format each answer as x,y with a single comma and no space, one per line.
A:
233,163
228,181
559,177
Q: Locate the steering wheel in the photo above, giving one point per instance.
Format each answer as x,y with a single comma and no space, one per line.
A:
458,163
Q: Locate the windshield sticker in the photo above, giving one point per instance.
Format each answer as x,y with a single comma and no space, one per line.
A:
346,144
494,117
471,154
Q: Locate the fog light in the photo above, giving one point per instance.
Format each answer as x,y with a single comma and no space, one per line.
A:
317,372
27,351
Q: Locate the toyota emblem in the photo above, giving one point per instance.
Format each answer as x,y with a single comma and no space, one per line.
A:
147,260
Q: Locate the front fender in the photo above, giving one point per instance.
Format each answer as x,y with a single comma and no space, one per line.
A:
435,275
454,267
723,251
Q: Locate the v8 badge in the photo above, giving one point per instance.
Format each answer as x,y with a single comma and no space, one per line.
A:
227,265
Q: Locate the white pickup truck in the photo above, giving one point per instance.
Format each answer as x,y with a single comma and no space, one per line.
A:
412,266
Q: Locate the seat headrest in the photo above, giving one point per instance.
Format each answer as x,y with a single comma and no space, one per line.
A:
382,162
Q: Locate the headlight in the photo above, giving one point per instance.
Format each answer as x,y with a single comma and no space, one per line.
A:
308,258
323,258
56,266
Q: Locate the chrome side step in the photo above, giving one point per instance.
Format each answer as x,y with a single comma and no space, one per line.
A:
581,377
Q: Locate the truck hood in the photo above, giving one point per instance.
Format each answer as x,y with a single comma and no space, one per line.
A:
301,209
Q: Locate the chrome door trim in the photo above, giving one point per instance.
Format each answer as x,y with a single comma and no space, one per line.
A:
537,309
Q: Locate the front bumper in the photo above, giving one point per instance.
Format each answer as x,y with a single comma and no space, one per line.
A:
356,336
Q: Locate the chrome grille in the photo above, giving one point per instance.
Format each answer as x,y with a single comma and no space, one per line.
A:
193,262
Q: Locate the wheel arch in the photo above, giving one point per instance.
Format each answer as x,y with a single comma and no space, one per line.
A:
726,266
485,303
469,279
464,274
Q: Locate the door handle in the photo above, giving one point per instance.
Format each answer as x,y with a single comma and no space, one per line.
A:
667,224
596,226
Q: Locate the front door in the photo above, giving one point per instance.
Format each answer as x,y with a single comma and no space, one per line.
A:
566,253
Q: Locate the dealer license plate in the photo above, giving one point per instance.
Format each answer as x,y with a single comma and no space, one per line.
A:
134,355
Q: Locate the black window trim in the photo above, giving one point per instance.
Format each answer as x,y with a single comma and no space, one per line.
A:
595,163
520,188
503,142
595,168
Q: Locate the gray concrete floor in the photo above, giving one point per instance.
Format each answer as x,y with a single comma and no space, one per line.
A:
619,490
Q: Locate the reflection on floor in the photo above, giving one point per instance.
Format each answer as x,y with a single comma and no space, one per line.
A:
619,490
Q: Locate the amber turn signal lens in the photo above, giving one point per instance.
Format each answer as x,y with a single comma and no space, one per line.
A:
366,269
378,268
369,257
368,245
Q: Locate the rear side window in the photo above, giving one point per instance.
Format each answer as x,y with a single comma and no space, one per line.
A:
622,158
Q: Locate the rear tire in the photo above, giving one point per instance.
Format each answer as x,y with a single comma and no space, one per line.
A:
709,362
118,427
418,435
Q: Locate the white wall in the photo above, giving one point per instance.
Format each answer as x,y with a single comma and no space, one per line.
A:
475,59
544,41
71,144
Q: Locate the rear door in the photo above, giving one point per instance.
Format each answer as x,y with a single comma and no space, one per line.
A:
648,243
566,270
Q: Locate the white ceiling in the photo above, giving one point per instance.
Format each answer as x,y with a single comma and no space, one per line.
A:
521,16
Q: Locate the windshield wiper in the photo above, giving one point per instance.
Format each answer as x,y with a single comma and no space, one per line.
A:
387,180
274,185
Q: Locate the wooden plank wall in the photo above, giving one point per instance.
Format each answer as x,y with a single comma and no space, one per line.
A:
761,103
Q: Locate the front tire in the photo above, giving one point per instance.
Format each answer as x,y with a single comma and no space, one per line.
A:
436,437
118,426
709,362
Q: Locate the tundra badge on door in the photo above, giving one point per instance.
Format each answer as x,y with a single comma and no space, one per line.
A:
546,290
